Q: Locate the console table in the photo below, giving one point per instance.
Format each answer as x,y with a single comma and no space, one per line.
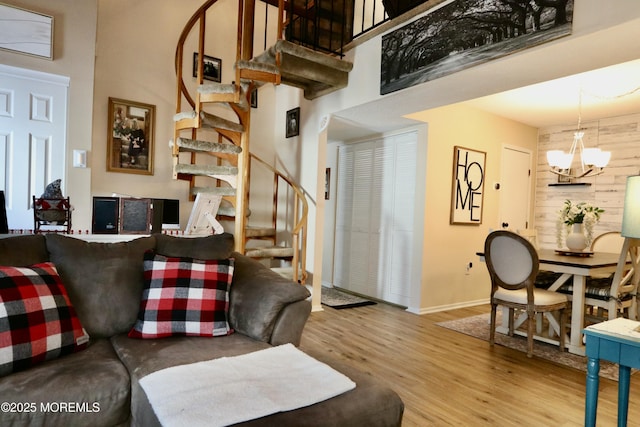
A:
617,341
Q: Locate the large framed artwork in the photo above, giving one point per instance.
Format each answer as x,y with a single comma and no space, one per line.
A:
467,187
130,137
459,34
27,32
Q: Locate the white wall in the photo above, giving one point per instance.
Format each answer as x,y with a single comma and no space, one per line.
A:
620,136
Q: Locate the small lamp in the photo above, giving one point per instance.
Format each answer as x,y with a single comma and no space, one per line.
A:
631,228
631,212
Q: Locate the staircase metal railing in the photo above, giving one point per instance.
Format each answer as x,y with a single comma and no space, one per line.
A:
298,220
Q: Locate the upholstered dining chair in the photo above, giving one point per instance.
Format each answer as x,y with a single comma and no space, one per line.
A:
544,278
513,264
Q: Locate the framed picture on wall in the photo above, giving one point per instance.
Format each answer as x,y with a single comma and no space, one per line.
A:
467,187
293,122
27,32
212,68
130,137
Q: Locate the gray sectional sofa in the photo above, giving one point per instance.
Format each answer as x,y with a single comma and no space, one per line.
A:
99,385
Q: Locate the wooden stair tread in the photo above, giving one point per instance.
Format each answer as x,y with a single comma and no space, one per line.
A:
220,191
270,252
256,232
216,122
206,170
187,144
314,72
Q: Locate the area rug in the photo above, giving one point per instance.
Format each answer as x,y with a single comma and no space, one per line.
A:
334,298
478,327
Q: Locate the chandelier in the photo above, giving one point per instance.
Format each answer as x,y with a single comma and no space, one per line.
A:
592,160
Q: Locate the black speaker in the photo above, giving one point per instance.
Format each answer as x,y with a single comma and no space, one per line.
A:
4,227
105,215
156,215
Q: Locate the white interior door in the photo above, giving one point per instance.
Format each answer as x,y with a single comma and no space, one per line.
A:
515,188
33,118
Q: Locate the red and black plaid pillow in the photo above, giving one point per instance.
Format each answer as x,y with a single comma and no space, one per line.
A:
37,320
184,296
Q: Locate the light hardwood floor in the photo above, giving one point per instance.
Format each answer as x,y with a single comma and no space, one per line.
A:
448,378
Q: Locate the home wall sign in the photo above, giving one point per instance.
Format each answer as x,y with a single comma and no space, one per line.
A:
467,188
26,32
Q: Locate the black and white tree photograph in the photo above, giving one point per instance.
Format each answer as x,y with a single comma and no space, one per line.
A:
465,33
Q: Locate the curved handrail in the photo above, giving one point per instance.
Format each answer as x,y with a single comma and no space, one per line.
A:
180,50
300,226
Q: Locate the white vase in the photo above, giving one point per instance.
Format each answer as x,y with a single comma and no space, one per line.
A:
576,240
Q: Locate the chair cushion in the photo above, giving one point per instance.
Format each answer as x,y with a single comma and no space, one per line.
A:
37,320
596,288
184,296
540,296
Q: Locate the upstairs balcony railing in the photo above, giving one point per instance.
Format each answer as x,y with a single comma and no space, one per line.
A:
329,25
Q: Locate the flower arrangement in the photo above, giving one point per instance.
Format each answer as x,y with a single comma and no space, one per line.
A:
579,213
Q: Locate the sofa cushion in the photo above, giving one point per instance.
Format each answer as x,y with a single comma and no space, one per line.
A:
22,251
104,280
37,320
93,380
217,246
184,296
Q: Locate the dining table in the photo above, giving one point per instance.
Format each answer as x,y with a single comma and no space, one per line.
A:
574,266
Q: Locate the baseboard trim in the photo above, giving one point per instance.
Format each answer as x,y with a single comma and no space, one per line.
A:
436,309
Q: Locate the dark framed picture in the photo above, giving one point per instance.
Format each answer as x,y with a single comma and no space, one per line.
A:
327,183
135,216
130,137
212,69
254,98
293,122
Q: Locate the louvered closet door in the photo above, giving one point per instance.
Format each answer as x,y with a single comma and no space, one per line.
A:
374,217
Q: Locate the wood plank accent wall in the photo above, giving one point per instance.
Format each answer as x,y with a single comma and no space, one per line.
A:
621,136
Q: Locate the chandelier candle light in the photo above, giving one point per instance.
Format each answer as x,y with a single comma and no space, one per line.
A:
592,160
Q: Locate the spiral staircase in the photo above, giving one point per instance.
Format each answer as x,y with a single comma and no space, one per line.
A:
211,147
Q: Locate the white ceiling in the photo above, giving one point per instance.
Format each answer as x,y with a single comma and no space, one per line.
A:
606,92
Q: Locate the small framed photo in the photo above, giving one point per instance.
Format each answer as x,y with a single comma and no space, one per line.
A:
212,68
327,183
254,98
130,137
293,122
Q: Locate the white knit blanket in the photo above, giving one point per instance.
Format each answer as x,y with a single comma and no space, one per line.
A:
230,390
